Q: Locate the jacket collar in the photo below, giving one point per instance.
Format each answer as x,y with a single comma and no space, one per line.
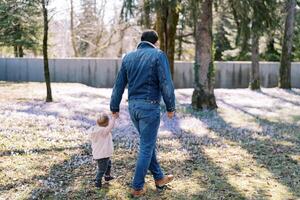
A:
143,44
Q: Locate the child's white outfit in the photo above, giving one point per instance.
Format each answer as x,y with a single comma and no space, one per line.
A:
102,149
101,139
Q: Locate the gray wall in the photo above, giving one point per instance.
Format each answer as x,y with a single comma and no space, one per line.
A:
102,72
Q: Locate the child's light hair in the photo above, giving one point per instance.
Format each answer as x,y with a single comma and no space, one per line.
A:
103,119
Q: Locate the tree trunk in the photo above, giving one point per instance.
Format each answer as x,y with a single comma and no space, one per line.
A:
180,49
285,62
45,52
147,10
122,34
180,37
254,75
21,52
16,52
242,35
73,39
203,95
167,16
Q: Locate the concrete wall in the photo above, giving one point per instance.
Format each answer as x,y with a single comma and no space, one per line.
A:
102,72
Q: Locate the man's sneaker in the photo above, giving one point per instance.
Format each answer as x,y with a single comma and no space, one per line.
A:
138,193
108,178
165,180
98,184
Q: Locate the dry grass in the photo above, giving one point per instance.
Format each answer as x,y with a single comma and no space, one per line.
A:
248,149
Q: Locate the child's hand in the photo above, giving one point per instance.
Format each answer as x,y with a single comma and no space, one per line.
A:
170,114
115,115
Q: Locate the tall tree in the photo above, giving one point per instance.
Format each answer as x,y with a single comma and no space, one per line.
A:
222,30
263,19
259,16
285,62
167,15
240,11
255,34
184,35
203,95
20,25
91,35
146,12
73,36
45,50
87,25
296,38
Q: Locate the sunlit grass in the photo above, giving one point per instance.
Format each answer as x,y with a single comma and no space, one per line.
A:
248,149
246,175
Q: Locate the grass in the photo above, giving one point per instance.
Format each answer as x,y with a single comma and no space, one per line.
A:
248,149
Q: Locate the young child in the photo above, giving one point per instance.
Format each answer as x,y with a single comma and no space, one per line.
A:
102,147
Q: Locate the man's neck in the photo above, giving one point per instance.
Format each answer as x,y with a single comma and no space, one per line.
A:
147,43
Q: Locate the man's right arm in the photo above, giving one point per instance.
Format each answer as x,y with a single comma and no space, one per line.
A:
166,83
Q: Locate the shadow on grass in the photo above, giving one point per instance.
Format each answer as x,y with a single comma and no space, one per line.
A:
271,128
293,91
62,179
39,108
216,185
36,151
36,108
74,178
280,98
212,177
88,95
271,155
33,151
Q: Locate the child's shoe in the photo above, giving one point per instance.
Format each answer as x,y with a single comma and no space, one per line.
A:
108,177
98,184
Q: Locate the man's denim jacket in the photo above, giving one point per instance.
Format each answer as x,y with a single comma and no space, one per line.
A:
147,73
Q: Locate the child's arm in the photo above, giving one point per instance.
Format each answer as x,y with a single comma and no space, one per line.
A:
110,125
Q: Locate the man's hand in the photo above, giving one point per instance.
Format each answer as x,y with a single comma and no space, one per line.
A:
115,114
170,114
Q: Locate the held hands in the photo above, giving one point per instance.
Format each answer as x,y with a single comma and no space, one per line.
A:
170,114
115,114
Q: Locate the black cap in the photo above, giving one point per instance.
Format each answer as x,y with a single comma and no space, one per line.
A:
150,36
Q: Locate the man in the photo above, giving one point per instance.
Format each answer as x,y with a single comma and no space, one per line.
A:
147,73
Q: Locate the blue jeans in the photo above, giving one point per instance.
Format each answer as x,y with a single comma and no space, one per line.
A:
146,118
104,167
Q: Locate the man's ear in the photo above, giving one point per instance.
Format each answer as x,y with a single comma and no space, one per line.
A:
157,44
